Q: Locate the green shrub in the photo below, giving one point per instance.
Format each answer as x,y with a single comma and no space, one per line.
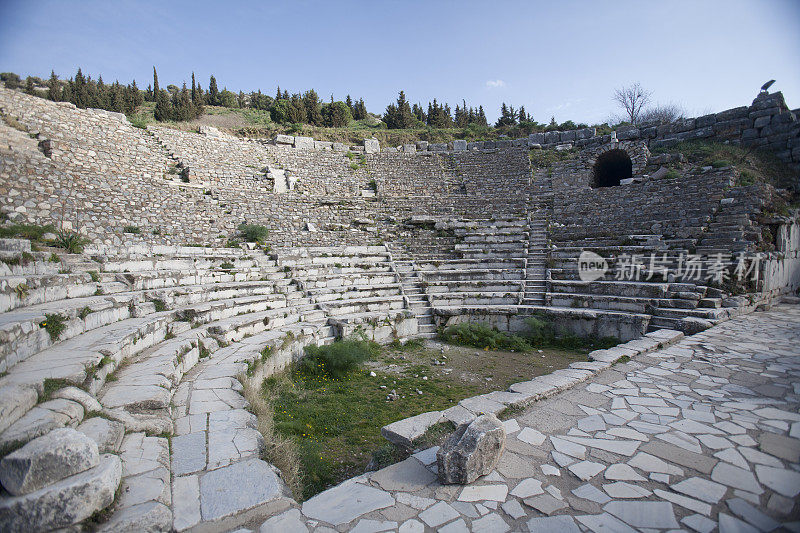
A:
253,232
54,258
482,336
337,359
95,275
84,312
138,121
745,179
721,163
131,229
160,305
672,174
55,324
227,265
70,241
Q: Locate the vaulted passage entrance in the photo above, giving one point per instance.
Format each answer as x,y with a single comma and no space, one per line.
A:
610,168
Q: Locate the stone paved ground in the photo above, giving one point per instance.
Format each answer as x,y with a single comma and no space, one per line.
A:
704,434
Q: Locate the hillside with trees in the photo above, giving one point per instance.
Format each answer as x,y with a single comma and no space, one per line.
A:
261,114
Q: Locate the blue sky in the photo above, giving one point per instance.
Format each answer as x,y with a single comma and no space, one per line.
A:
557,58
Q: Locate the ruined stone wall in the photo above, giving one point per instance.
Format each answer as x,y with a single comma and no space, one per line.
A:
103,175
675,208
767,123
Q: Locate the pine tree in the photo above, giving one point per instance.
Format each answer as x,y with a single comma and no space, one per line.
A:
349,103
240,99
155,82
296,112
419,113
399,116
213,91
336,115
278,94
360,110
79,95
312,106
482,117
54,87
163,110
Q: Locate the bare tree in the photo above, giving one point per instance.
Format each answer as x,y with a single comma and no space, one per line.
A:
662,113
632,99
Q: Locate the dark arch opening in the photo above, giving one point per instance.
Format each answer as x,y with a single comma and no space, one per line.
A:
611,168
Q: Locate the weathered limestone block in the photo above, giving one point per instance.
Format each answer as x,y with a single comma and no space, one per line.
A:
40,420
75,394
15,401
459,145
304,142
106,433
372,146
404,432
284,139
64,503
45,460
472,451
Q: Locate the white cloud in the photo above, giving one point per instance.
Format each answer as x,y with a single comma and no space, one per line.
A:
494,84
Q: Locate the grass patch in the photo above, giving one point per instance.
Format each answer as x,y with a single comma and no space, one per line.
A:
334,423
55,324
52,385
31,232
335,361
547,158
760,165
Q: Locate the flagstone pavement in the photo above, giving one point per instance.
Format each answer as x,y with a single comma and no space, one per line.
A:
701,436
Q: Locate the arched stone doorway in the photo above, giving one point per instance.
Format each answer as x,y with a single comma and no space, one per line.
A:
611,167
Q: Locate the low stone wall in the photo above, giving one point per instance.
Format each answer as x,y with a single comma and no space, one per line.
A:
580,322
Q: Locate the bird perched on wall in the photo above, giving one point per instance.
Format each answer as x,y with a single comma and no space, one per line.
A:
767,86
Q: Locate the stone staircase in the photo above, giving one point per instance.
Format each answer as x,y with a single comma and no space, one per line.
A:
414,291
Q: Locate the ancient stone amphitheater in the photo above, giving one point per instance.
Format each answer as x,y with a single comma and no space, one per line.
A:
162,317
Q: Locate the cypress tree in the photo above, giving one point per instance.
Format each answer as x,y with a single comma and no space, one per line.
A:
349,103
155,81
278,94
296,113
213,92
360,111
312,105
194,90
54,87
79,95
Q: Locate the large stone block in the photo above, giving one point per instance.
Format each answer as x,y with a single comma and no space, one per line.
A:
67,502
472,451
45,460
284,139
568,136
552,137
372,146
15,401
459,145
306,143
536,138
